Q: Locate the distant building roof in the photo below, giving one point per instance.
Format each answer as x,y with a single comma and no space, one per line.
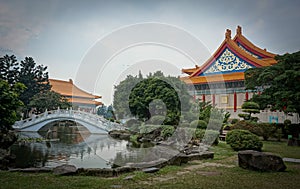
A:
74,94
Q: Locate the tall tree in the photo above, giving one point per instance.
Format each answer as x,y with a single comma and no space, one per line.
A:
121,95
34,77
279,84
9,69
9,104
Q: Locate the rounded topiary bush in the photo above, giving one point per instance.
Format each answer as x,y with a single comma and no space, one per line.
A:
243,140
199,134
167,131
199,124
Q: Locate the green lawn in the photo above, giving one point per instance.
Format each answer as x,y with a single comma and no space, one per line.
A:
221,172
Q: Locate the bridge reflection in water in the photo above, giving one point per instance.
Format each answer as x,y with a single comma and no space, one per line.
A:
68,146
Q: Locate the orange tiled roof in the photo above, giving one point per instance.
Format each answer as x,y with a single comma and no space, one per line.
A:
190,70
242,39
67,88
267,60
214,78
84,101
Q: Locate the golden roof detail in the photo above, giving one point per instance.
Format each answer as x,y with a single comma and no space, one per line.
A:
265,59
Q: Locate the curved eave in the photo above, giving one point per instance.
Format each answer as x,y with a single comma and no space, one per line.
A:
271,61
252,48
84,101
237,50
236,76
189,71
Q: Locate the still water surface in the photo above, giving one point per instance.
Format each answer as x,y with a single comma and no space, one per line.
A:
69,145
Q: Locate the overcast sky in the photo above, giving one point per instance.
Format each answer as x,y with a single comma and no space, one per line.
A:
60,33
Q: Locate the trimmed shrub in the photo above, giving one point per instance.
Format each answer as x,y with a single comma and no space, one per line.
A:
167,131
199,134
267,130
157,120
247,125
199,124
243,140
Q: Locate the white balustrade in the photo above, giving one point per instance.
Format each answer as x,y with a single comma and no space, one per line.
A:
92,119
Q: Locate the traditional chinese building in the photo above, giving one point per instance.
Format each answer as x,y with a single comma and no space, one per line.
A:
221,78
78,97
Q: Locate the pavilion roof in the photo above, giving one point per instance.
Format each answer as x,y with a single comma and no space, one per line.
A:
244,54
69,89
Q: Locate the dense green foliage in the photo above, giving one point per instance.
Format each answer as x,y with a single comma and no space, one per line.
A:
243,140
280,84
250,108
49,100
121,95
10,104
201,124
265,130
155,95
167,131
34,77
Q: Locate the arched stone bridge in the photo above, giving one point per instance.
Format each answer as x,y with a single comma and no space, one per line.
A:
94,123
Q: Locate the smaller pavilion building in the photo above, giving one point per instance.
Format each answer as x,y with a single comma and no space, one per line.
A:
79,98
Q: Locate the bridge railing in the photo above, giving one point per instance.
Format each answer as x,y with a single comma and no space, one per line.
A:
93,119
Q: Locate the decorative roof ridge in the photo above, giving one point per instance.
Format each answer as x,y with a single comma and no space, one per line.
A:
210,59
233,46
246,55
239,37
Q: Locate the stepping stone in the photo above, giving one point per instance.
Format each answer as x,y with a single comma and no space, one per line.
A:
150,170
293,160
130,177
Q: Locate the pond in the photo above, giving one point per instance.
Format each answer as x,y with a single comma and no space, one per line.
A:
69,144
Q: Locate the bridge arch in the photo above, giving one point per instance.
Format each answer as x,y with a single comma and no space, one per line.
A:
94,123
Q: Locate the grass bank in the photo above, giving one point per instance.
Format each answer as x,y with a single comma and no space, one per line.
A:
221,172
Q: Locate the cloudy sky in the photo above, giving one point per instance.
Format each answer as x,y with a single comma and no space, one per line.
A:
61,33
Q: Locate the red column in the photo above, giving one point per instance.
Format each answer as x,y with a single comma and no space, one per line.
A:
203,97
213,99
234,101
247,96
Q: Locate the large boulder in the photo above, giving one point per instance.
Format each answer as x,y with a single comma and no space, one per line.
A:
65,170
260,161
120,134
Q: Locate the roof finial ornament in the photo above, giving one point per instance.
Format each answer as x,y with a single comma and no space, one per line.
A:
239,30
228,34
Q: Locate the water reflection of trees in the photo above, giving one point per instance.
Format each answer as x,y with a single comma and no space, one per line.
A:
68,132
